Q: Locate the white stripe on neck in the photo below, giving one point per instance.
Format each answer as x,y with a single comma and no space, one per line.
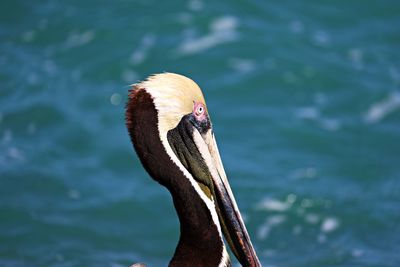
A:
159,104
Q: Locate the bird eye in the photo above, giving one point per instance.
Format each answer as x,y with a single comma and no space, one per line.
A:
199,109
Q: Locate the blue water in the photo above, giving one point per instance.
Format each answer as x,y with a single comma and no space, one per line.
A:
305,101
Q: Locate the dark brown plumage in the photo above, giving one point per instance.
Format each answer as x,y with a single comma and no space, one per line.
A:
199,242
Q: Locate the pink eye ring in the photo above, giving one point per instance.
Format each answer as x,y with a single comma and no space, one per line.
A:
199,109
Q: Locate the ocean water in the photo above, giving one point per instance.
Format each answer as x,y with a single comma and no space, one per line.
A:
305,102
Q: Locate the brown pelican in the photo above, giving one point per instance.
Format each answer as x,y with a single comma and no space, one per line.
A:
170,128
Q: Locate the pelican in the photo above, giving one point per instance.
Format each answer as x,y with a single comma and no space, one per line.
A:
171,131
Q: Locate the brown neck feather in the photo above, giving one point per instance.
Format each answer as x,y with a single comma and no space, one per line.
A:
200,243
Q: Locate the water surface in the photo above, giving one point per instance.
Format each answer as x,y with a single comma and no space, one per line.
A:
305,101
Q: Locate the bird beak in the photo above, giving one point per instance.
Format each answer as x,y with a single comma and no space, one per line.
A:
230,219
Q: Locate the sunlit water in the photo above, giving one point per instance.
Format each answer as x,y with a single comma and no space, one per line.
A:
305,102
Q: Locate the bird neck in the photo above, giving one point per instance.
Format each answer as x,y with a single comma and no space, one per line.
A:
200,242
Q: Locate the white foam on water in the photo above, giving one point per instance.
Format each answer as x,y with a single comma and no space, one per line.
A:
222,30
313,114
329,224
312,218
15,153
116,99
139,55
330,124
242,65
273,205
291,199
272,221
380,110
302,173
321,38
268,252
276,219
195,5
244,217
224,23
203,43
76,39
307,113
307,203
356,253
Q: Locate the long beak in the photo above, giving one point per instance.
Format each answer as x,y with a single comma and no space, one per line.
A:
231,221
